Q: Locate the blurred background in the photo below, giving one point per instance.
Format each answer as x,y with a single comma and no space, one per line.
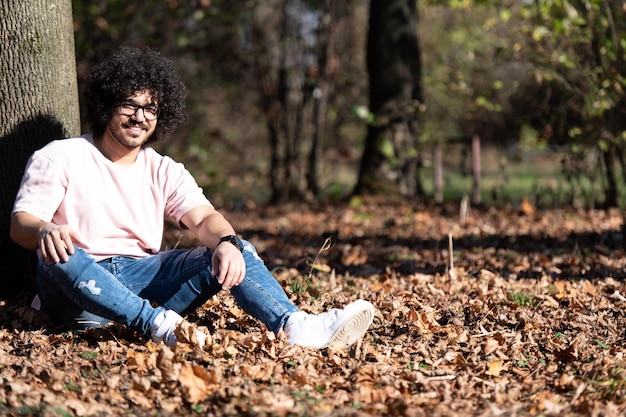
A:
539,84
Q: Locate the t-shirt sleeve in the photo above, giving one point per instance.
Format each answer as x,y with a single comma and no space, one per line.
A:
184,193
42,188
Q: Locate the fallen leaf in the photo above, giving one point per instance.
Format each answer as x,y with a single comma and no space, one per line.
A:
197,382
494,368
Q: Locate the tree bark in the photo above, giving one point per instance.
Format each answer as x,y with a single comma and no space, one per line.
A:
438,172
322,89
389,161
38,103
610,190
275,52
476,170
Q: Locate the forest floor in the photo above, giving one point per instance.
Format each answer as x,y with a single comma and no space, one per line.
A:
525,316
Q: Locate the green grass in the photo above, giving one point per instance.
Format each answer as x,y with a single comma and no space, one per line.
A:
506,179
537,177
521,298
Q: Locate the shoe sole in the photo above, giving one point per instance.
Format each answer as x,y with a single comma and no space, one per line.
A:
355,327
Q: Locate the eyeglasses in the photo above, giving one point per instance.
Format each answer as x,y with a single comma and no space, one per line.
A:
150,112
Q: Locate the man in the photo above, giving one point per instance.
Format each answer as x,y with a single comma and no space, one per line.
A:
94,208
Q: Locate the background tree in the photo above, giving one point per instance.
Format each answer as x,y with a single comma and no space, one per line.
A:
389,162
270,80
506,71
473,67
297,68
38,103
577,52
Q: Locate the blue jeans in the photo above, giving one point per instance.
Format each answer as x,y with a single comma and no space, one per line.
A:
83,293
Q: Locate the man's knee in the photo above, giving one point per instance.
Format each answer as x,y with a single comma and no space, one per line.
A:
76,263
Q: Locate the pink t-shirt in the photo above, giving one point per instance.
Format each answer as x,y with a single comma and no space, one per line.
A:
114,210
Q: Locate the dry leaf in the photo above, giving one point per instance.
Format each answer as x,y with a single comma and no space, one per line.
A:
191,334
197,382
494,368
589,288
436,347
491,345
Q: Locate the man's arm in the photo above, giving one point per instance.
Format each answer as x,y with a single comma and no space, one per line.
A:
210,225
30,232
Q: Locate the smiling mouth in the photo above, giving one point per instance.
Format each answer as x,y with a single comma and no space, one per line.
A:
135,127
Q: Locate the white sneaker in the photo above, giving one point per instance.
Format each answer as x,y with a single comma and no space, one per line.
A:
162,329
343,326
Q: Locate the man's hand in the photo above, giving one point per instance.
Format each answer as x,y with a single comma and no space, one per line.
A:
228,266
55,243
209,225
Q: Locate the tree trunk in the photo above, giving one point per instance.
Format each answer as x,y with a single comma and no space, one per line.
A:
327,61
389,161
476,170
438,172
614,118
39,103
267,23
610,191
278,50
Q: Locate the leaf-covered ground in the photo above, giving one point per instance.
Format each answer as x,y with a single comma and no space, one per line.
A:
526,316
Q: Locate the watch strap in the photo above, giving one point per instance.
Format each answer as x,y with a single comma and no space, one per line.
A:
232,239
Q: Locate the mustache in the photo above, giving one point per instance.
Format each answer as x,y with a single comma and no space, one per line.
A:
133,123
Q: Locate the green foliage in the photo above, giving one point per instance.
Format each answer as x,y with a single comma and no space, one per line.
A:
466,55
521,298
502,69
577,44
553,68
577,50
72,386
305,396
89,355
601,344
363,113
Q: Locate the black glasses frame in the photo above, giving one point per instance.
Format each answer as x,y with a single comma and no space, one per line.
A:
129,108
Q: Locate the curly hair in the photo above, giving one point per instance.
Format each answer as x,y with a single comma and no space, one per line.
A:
126,72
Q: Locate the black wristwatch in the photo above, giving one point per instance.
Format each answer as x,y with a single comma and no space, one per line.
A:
234,240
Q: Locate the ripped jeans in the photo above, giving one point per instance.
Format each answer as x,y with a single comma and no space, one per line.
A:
83,293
